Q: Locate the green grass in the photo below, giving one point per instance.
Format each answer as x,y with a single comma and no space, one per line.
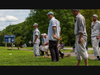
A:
27,48
68,50
25,58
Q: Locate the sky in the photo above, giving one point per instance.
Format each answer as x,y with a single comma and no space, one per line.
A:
12,16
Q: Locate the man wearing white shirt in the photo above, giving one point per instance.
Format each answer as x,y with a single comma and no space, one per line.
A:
53,32
80,37
95,35
36,40
45,44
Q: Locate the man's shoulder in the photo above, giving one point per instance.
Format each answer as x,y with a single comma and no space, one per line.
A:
98,22
80,17
37,29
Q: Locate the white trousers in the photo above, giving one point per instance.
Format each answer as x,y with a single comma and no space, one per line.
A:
80,49
95,45
44,48
36,49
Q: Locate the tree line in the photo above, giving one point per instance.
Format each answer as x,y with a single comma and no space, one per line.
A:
25,29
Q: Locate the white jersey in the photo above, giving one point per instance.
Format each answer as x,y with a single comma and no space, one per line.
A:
95,28
53,22
36,32
46,40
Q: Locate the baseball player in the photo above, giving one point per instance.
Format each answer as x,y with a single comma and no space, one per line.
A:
45,44
53,34
95,35
41,48
80,37
36,40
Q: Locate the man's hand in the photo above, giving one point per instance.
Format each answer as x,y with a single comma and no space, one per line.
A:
34,42
98,37
60,38
80,40
54,36
43,44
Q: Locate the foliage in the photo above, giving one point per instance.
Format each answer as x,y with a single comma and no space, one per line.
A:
25,29
17,41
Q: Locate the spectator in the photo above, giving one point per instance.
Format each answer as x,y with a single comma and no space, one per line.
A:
62,45
73,49
86,46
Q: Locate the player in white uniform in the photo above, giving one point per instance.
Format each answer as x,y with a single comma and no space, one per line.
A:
81,37
45,44
36,40
41,48
95,35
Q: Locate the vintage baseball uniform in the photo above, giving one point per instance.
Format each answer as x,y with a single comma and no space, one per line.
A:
37,42
52,41
80,27
53,22
46,46
41,48
95,31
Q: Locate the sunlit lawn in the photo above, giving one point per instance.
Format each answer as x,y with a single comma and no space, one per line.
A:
25,58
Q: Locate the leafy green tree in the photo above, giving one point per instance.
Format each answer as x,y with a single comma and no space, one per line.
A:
18,41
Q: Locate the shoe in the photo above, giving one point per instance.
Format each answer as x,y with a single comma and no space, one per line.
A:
71,51
53,61
97,59
62,55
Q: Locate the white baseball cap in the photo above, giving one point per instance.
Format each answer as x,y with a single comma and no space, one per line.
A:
41,34
44,34
95,15
35,24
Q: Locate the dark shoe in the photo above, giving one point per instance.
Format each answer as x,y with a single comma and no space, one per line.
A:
42,55
62,55
53,60
97,59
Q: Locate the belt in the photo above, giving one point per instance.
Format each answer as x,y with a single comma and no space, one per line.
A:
93,36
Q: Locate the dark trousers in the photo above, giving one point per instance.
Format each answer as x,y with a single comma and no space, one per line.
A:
60,52
54,50
42,52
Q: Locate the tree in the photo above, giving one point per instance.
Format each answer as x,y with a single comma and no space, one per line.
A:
18,41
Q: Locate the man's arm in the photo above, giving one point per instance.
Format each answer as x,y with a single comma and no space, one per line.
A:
80,38
35,38
81,25
45,43
98,37
54,30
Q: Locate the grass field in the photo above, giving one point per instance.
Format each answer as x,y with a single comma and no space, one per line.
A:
66,50
25,58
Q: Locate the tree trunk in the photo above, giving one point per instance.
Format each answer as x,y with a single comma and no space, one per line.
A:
18,47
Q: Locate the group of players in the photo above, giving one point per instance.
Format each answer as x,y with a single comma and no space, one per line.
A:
45,46
54,35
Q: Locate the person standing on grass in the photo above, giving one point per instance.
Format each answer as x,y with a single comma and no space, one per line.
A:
86,45
80,37
36,40
53,32
95,35
73,49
